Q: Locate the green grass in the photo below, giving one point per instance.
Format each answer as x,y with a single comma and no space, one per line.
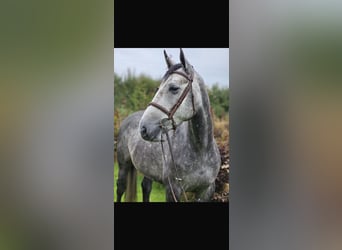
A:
157,194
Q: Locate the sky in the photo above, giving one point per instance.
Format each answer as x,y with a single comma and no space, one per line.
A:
211,63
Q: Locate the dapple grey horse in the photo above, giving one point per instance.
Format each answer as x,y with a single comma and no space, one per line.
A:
171,141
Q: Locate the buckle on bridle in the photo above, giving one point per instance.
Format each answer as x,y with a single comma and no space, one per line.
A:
165,123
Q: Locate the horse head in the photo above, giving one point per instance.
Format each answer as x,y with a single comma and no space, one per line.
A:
175,101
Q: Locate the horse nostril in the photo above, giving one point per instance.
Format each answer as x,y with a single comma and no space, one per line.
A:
148,132
143,130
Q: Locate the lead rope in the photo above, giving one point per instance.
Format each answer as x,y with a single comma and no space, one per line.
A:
173,163
174,166
164,163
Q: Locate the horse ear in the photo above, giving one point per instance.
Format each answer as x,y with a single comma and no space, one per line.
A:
169,62
186,65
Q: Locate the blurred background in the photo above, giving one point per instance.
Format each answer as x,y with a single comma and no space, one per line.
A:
56,127
285,125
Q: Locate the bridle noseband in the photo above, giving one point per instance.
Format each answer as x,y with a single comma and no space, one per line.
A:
170,113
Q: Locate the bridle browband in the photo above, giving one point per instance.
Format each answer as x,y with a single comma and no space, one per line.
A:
170,113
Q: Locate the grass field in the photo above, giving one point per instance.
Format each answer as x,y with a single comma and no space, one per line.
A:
157,194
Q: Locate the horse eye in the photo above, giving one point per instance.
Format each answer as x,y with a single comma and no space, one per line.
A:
174,89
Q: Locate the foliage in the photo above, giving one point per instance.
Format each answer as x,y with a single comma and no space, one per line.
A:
219,100
131,94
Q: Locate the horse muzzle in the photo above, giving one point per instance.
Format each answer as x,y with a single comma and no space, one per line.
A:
150,132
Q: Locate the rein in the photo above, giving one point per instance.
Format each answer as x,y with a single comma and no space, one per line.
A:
173,163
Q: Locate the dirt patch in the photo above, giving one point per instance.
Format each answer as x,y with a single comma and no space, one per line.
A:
222,180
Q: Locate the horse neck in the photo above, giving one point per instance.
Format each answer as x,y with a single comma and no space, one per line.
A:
200,126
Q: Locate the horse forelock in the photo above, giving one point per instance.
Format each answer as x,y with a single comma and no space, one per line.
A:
172,69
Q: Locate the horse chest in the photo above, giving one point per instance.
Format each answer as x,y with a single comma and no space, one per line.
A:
195,169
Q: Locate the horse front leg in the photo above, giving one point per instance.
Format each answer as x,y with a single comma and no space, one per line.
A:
146,186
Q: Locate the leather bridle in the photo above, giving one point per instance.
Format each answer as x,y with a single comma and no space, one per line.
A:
170,113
